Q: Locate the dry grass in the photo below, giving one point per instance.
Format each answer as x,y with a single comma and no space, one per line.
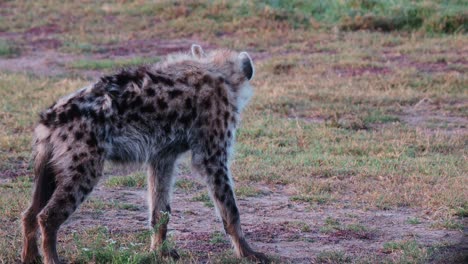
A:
337,116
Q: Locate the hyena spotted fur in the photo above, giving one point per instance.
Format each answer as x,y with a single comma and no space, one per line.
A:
148,115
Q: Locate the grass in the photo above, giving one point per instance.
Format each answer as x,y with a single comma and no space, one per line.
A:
218,238
137,180
205,198
89,64
187,185
413,221
7,49
98,205
244,191
408,251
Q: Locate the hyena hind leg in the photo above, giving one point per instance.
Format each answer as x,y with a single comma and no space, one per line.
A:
81,179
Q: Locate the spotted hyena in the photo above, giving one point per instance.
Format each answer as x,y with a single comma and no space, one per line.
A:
149,115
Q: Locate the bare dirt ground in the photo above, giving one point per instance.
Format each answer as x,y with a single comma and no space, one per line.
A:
274,224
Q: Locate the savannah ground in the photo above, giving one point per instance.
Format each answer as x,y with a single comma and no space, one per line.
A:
353,150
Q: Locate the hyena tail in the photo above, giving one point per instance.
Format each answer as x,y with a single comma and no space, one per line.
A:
44,175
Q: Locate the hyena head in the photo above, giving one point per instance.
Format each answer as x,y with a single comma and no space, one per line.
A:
237,66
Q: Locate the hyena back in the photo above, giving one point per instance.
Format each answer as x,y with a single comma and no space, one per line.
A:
149,115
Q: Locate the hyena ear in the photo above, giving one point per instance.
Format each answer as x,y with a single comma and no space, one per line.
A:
247,65
197,51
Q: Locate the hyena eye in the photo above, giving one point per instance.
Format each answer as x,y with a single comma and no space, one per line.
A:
247,65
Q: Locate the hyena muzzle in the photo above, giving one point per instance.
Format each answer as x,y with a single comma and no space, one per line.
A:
149,115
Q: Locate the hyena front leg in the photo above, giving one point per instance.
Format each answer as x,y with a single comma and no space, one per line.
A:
76,183
160,181
221,188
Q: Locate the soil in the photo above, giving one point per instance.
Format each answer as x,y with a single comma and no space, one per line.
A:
273,224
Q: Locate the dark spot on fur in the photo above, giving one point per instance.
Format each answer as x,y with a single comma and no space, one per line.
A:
92,142
185,120
61,202
207,79
174,93
73,112
206,103
76,177
75,158
114,83
71,199
161,103
148,109
229,135
136,102
218,123
68,188
122,107
101,118
158,78
188,103
134,117
167,128
171,117
63,137
63,118
150,92
78,135
84,190
219,91
80,168
198,86
219,177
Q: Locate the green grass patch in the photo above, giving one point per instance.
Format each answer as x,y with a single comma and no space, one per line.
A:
449,224
312,199
204,198
187,185
413,221
98,246
244,191
135,180
98,204
409,251
7,49
218,238
379,118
